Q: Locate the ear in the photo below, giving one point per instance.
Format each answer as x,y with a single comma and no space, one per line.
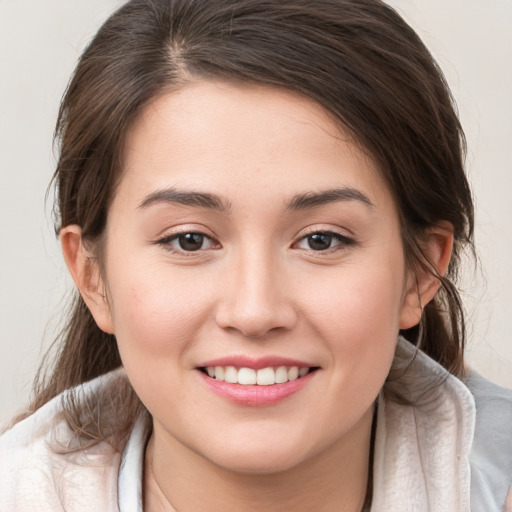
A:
85,273
422,284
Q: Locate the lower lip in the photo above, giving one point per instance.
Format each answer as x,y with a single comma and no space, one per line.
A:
256,396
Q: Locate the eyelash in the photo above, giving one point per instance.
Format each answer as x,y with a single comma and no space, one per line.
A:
167,240
343,242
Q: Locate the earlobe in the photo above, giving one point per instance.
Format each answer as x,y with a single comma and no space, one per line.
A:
85,273
423,283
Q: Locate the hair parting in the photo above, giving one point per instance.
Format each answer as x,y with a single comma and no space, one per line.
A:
356,58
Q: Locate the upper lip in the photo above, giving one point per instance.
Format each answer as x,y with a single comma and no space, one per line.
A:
256,363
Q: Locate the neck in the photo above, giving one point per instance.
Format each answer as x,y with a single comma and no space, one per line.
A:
336,480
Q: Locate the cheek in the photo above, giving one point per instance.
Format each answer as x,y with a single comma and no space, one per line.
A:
359,304
357,313
157,316
156,311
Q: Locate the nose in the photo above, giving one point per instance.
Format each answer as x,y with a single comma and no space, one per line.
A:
256,299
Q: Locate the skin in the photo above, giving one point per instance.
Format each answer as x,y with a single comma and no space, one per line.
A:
254,287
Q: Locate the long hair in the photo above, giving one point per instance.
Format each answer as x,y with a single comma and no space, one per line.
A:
356,58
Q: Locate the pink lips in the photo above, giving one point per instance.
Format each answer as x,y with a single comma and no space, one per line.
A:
254,395
256,363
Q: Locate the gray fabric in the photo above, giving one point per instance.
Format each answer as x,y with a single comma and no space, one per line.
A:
491,454
35,477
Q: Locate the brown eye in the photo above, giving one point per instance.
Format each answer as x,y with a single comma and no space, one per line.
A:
323,241
191,241
187,242
319,241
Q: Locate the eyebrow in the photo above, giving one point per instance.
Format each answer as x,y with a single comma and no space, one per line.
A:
314,199
187,198
206,200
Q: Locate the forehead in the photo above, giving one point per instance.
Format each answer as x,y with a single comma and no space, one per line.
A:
227,137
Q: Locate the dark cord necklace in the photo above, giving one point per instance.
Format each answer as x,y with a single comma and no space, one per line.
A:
367,505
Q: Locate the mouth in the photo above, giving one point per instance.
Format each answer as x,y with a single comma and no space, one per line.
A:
256,382
246,376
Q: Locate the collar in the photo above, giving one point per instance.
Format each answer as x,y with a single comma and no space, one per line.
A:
422,448
421,458
131,470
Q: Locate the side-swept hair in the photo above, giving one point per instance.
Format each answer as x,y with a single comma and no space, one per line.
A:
357,58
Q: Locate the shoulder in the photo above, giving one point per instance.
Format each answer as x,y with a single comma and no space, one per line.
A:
443,430
491,454
44,467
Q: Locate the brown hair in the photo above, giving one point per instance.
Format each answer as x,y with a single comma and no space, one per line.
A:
357,58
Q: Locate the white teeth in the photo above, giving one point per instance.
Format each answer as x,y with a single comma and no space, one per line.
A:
219,372
266,377
293,373
249,376
231,375
281,375
246,376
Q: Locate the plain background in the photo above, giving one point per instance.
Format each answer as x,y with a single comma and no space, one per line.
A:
40,42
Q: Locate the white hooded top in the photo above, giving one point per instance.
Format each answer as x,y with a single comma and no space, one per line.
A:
449,452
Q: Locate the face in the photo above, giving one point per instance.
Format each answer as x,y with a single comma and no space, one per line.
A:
250,241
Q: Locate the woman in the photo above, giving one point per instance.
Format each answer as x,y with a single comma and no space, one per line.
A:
263,206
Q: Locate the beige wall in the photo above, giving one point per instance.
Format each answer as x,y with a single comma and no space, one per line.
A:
39,44
472,41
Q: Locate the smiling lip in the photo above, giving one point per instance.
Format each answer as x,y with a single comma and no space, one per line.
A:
256,363
255,395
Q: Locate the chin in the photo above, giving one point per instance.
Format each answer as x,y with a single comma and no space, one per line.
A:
263,456
259,463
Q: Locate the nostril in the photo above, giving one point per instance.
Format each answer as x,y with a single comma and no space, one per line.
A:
253,303
257,324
